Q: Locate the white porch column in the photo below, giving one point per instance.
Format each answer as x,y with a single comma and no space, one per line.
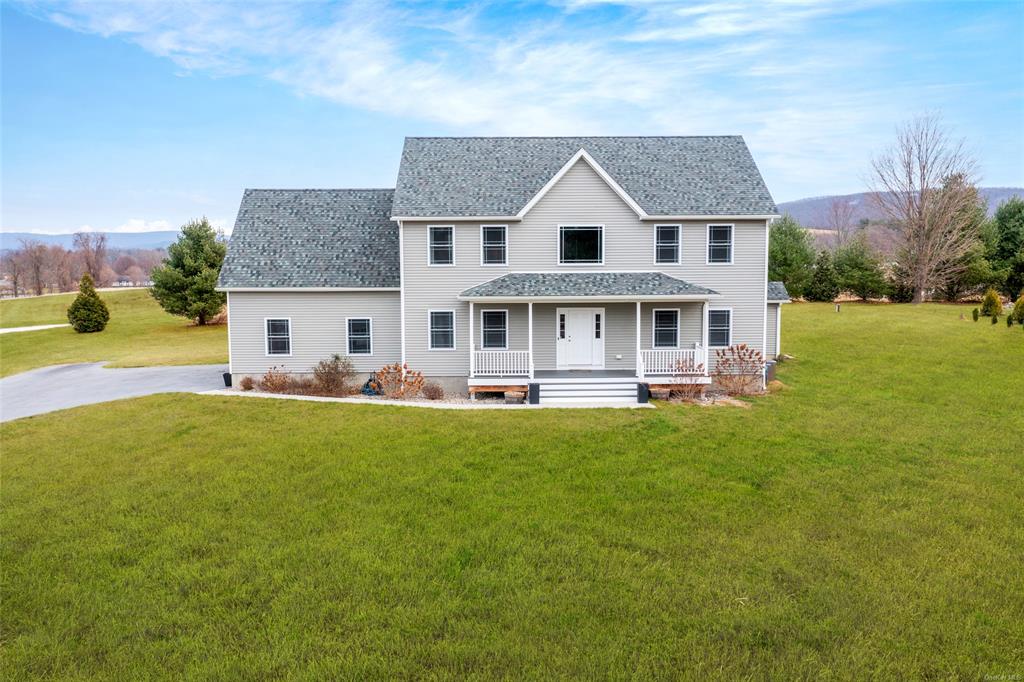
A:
704,333
472,349
529,334
639,359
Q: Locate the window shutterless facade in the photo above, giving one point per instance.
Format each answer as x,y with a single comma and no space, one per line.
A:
494,329
666,244
666,328
494,245
719,328
360,335
442,329
279,335
441,245
581,244
720,244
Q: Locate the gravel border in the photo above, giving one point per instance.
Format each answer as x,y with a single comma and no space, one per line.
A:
431,404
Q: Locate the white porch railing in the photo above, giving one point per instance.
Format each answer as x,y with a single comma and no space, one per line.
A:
675,360
501,362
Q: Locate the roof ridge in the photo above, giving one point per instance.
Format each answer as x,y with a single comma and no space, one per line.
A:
319,189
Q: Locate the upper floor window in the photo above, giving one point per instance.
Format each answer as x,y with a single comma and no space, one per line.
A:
720,244
494,328
666,244
580,244
666,328
279,336
442,329
494,244
442,245
359,337
719,328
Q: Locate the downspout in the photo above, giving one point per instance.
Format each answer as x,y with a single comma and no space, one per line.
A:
401,289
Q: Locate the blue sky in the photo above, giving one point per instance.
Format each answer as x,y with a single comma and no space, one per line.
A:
140,116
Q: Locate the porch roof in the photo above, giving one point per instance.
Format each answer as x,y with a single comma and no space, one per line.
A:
595,285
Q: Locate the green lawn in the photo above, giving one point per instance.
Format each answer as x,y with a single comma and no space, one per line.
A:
140,333
865,522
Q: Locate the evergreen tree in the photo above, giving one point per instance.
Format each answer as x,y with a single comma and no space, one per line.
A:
1007,254
88,313
790,256
860,271
824,285
185,283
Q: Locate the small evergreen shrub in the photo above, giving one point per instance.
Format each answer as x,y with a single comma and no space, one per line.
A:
991,305
246,384
333,375
995,318
975,314
88,313
1009,320
1018,310
432,391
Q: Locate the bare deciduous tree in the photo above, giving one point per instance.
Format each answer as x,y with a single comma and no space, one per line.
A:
908,186
14,267
93,247
35,258
840,220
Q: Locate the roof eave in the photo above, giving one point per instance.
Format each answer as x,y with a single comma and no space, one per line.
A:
594,297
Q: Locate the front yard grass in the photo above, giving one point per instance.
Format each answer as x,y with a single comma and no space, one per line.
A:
864,522
139,334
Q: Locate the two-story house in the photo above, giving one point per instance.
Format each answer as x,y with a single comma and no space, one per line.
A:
578,266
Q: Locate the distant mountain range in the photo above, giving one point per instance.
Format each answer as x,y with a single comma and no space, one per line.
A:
115,240
813,212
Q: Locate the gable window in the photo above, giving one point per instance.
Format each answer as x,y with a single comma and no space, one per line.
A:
719,328
442,247
666,244
720,244
494,328
666,328
359,336
580,244
279,336
494,244
442,329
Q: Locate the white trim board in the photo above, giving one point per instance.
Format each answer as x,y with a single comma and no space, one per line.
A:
267,290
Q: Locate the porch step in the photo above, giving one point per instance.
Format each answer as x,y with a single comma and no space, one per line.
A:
608,390
599,400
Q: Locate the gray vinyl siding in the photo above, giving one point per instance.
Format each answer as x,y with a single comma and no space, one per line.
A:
691,323
581,197
318,328
773,311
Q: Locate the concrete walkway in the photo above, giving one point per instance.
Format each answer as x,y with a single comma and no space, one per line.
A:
62,386
12,330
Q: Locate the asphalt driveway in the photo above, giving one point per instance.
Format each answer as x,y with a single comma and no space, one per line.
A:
61,386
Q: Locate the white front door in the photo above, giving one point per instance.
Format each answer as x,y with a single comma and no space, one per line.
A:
580,338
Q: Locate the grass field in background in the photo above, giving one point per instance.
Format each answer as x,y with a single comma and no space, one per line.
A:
864,522
140,333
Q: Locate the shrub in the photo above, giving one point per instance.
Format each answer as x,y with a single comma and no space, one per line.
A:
975,314
88,313
739,369
432,391
246,384
1009,320
275,381
687,392
397,381
333,375
860,270
995,318
991,305
1018,310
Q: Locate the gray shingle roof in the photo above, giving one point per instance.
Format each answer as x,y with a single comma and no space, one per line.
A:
497,176
313,238
777,292
533,284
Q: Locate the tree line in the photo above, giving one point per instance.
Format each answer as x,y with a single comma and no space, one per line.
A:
947,247
38,268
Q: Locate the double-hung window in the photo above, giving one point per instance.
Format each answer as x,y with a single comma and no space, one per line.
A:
442,329
666,244
442,245
279,336
720,244
360,341
494,328
494,244
719,328
666,328
580,244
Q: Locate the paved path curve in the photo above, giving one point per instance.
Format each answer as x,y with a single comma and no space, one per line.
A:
61,386
38,327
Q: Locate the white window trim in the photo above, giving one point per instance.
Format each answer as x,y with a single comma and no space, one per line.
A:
679,244
347,348
732,243
507,331
712,309
455,334
679,328
266,339
493,265
430,251
558,245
